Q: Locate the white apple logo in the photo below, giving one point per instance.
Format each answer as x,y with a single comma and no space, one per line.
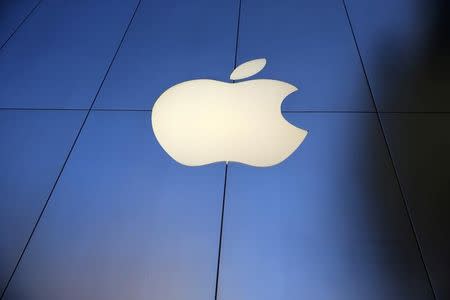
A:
203,121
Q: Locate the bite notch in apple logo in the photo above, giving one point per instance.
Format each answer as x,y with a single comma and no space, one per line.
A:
203,121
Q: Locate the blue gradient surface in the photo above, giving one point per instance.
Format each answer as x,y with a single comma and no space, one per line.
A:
405,46
309,44
34,147
125,221
12,13
327,223
59,57
170,42
359,211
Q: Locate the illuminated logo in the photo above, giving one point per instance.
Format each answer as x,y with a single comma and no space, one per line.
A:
203,121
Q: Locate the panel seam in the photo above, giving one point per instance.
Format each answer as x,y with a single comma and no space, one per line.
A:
68,154
20,24
283,111
219,254
402,192
216,290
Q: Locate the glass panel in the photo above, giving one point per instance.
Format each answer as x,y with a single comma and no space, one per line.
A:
327,223
308,44
125,221
60,55
170,43
34,146
405,45
12,13
420,145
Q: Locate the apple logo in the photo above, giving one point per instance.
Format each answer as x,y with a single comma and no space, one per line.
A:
203,121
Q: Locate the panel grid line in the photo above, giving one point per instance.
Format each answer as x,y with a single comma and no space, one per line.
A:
20,24
69,153
219,254
402,193
216,290
283,111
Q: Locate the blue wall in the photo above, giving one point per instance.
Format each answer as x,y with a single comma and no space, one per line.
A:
91,207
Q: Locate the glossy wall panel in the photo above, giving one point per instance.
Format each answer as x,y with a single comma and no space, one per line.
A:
170,42
59,56
33,148
12,13
125,221
405,46
309,44
420,144
328,223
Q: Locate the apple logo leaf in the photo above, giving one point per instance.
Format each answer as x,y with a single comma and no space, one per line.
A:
248,69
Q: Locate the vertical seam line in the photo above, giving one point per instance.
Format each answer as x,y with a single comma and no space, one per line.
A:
68,154
402,193
20,24
216,290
